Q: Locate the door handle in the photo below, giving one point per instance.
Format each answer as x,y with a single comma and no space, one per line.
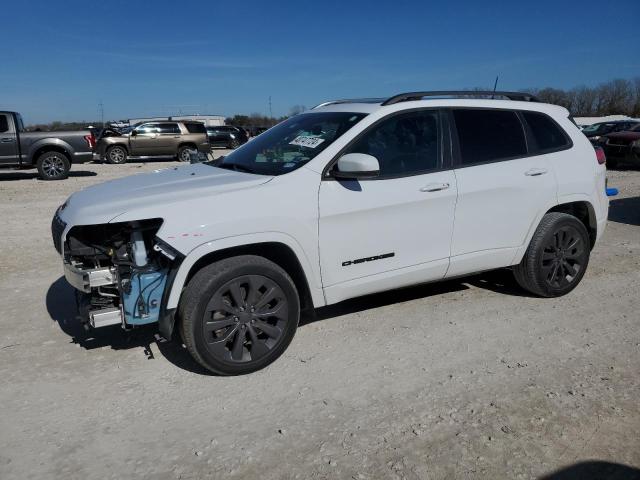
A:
7,140
435,187
535,172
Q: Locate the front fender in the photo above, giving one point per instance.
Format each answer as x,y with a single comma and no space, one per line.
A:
311,269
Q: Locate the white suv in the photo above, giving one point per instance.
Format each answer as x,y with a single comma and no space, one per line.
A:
349,198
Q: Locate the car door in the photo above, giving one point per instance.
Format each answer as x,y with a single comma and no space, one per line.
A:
145,140
8,140
501,189
168,139
394,229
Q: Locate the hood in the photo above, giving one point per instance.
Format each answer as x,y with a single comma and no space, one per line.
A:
104,202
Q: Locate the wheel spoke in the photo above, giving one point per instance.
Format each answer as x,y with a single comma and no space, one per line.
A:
267,297
279,311
214,325
268,329
575,252
222,341
258,347
238,345
561,278
253,293
551,278
570,269
236,294
219,304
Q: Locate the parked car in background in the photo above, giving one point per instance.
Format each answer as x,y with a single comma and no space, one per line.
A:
153,139
255,131
597,130
347,199
622,146
227,136
52,153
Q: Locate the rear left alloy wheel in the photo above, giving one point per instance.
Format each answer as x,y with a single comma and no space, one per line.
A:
557,257
53,166
184,154
239,314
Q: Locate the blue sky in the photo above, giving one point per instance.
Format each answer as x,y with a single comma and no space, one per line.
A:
156,58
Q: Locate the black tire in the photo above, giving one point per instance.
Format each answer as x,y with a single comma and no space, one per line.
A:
234,143
116,155
53,166
557,257
183,153
231,294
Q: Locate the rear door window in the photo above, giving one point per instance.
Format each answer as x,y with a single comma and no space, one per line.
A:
486,135
547,134
169,128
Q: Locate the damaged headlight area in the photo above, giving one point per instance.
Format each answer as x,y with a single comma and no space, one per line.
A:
121,270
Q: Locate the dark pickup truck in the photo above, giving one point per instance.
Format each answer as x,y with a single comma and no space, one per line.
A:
52,153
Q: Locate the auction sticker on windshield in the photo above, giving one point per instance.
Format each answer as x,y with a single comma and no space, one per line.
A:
304,141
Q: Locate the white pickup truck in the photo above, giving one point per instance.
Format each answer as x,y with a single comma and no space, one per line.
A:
350,198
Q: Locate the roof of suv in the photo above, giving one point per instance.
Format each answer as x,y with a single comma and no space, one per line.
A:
484,99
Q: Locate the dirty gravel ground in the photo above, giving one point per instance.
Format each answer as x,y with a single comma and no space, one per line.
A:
464,379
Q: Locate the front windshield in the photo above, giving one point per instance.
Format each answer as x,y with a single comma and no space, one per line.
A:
290,144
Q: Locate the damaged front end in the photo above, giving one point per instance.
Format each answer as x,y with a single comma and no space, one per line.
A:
122,272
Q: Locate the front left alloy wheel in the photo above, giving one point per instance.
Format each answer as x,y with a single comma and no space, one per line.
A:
238,315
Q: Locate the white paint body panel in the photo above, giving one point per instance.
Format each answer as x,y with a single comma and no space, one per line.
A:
497,203
377,217
484,220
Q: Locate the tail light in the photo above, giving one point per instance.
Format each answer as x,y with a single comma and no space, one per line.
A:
91,141
600,156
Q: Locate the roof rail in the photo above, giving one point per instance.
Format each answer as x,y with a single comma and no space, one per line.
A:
404,97
350,100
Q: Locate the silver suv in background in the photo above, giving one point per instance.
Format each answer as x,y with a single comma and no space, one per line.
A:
156,138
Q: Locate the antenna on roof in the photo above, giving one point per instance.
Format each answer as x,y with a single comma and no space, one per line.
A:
495,85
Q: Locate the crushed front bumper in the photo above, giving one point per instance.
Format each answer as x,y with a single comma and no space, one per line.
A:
84,279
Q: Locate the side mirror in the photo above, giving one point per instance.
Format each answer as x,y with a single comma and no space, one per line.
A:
356,165
134,133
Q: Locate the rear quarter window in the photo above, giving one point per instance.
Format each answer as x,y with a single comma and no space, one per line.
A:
547,134
195,128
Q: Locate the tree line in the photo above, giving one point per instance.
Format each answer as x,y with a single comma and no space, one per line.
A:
615,97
